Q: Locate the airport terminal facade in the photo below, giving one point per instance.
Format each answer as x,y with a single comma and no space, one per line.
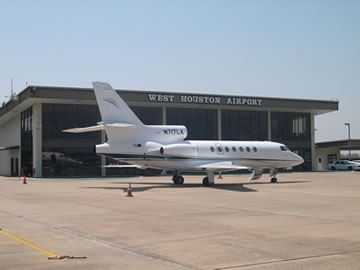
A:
31,124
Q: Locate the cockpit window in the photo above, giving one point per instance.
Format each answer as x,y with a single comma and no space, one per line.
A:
283,148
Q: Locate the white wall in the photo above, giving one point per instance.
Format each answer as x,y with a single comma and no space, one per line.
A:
9,136
323,154
37,138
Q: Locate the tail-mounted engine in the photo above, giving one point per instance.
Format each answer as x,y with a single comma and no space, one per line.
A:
179,150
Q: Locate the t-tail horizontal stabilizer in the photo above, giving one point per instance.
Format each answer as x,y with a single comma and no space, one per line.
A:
97,128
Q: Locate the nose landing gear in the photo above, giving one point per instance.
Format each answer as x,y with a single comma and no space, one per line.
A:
273,173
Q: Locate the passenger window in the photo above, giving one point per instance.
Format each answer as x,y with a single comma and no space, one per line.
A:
226,149
241,149
212,149
248,149
282,148
234,149
219,149
255,149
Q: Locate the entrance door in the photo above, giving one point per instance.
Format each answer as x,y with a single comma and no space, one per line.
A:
12,169
16,166
320,163
219,148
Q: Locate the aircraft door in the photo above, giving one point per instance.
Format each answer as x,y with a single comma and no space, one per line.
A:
219,148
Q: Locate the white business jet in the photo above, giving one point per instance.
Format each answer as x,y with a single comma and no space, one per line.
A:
164,147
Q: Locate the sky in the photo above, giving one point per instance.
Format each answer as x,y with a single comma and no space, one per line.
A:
307,49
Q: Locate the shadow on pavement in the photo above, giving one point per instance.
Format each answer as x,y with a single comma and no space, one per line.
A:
155,185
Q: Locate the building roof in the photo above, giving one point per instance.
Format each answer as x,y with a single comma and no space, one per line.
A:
51,94
352,144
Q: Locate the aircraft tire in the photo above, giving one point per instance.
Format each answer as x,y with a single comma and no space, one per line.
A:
273,180
207,183
179,180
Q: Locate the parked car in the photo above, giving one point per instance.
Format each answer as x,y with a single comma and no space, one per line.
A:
344,165
357,168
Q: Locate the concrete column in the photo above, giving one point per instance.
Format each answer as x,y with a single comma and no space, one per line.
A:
37,138
103,158
269,125
219,125
312,138
164,115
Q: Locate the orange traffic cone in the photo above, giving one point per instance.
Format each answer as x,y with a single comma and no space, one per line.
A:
24,182
220,177
129,193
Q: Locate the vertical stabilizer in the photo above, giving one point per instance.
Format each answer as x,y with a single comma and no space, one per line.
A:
112,108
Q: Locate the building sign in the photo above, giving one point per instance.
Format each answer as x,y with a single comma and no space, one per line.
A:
167,98
244,101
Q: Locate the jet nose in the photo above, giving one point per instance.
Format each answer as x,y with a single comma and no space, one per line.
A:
298,159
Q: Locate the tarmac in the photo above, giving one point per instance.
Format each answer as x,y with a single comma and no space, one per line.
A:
305,221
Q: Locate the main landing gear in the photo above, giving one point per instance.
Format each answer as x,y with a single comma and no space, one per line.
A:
273,173
208,181
178,179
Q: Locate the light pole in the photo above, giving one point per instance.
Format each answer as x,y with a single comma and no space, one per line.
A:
348,124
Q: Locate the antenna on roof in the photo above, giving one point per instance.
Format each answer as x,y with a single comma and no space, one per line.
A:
12,88
12,95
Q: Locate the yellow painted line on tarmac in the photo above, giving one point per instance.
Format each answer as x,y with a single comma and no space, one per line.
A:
29,244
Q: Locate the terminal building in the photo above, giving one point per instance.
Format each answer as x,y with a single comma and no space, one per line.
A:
31,123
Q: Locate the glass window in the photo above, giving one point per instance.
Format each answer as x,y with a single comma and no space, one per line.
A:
26,142
244,125
219,149
282,148
226,149
234,149
148,115
212,149
255,149
248,149
293,129
290,126
241,149
202,124
69,154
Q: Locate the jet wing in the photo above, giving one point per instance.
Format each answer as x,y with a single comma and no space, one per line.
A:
123,166
256,173
222,166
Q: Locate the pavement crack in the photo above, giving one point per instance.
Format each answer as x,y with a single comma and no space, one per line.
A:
288,260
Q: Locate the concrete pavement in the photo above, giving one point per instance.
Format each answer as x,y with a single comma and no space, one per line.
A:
305,221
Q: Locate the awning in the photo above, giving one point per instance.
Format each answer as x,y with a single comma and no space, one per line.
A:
2,148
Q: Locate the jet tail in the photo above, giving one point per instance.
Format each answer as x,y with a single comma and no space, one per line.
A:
112,108
121,124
